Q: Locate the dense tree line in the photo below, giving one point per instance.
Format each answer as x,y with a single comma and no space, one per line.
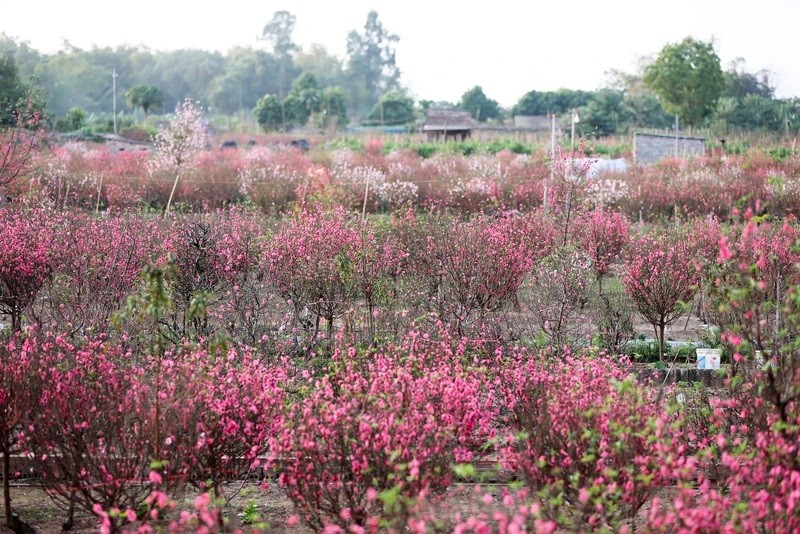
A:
228,83
284,86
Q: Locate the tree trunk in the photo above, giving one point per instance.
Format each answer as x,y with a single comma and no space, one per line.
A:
16,319
6,479
172,193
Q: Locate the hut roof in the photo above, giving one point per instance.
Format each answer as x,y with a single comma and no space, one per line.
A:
447,119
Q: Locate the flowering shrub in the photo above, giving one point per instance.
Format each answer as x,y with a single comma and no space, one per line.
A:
476,269
95,269
220,413
557,295
761,258
310,264
102,454
19,391
747,449
396,194
376,434
659,274
272,179
108,428
589,442
175,147
602,235
19,143
26,259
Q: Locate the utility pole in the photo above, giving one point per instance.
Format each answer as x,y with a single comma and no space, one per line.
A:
552,159
575,119
677,128
114,90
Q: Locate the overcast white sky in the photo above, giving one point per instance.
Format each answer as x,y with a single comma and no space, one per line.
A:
446,47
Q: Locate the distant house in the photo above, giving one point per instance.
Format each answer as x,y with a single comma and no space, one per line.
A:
533,123
116,143
448,125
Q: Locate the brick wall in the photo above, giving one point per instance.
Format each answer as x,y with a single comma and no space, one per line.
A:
649,148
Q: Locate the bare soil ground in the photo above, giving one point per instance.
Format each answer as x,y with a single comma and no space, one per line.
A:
274,508
40,512
686,328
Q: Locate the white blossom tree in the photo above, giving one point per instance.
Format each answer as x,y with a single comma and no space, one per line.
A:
176,145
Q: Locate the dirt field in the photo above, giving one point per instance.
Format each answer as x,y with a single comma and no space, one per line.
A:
38,510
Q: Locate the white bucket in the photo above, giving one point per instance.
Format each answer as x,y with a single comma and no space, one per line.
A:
708,358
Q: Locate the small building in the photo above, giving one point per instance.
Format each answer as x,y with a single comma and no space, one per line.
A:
448,125
533,123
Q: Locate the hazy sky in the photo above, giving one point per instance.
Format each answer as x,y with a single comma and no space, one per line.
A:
446,47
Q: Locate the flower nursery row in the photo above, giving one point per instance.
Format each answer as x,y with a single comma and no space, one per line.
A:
378,439
369,364
276,179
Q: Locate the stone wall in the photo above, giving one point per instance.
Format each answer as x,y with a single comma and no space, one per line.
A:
650,148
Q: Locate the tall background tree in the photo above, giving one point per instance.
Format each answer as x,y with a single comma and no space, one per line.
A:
392,109
479,105
144,97
544,102
326,68
278,32
334,107
642,107
371,67
247,75
688,78
303,100
11,90
232,84
605,114
748,102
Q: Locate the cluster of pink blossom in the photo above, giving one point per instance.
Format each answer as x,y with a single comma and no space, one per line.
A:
369,365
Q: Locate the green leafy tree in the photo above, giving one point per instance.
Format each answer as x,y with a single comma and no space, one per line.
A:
185,74
303,100
371,67
748,102
294,112
642,108
751,112
334,107
269,112
68,80
25,57
606,114
739,83
393,108
278,32
11,90
75,119
481,107
688,78
325,67
144,97
558,102
249,74
645,110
